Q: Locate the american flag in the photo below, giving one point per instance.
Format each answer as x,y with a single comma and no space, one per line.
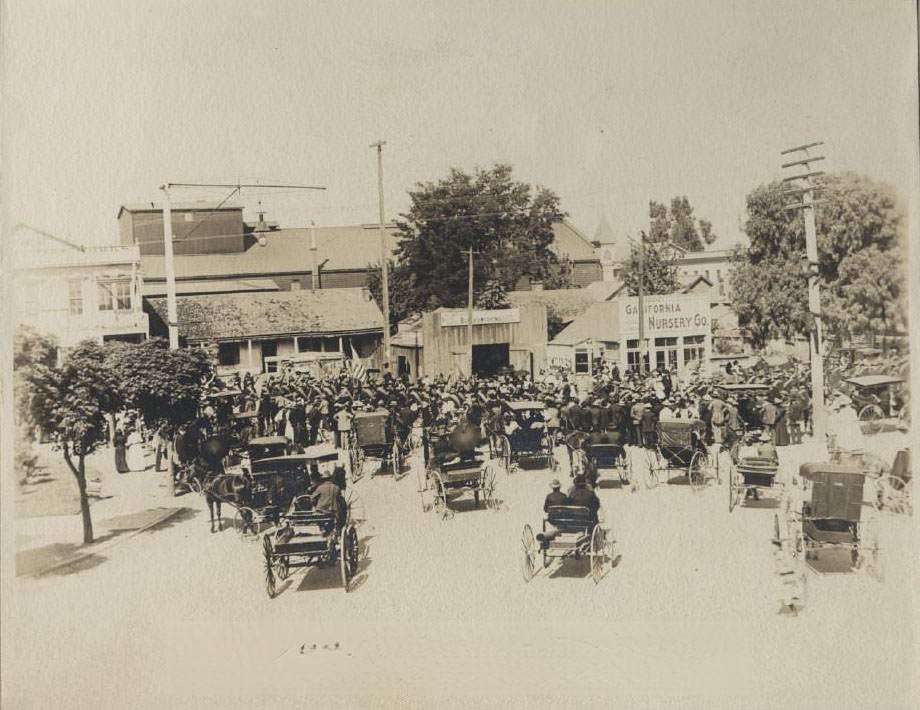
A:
355,368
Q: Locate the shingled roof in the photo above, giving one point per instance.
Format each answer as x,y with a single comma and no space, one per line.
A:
238,316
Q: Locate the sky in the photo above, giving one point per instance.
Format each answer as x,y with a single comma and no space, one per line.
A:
609,104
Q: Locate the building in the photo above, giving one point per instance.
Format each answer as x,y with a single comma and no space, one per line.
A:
677,334
216,251
257,332
75,292
511,337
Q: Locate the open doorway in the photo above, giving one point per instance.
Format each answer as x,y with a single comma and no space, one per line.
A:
489,359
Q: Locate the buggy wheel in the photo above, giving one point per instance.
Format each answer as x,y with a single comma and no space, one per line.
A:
506,454
244,522
396,459
267,554
652,467
421,475
776,537
696,471
282,567
893,494
357,515
440,497
195,486
529,562
870,418
733,496
349,554
598,553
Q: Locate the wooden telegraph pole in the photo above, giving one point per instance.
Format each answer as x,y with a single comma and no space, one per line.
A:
384,256
642,303
469,308
803,186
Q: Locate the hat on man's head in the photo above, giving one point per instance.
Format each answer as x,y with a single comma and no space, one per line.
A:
555,484
765,436
580,480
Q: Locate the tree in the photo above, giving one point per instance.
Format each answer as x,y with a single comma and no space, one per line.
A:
508,222
860,261
165,385
31,352
660,271
678,225
69,404
492,296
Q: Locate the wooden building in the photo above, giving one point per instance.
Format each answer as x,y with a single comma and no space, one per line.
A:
510,337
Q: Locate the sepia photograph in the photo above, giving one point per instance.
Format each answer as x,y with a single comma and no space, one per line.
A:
517,354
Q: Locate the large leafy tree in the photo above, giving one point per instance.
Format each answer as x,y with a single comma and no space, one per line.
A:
509,223
659,272
164,385
69,404
678,225
861,257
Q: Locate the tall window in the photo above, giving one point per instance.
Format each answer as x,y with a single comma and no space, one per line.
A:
114,295
666,353
694,348
582,362
75,296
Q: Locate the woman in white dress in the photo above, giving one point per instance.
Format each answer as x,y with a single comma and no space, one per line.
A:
135,445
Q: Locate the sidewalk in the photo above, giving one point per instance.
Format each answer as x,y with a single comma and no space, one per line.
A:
49,527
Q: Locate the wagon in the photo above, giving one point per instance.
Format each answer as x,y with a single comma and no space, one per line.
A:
306,537
568,532
755,474
373,437
872,396
455,468
531,441
680,447
831,518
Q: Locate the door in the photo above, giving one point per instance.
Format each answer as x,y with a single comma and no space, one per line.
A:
269,349
489,359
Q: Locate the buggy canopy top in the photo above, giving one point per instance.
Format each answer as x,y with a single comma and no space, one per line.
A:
874,381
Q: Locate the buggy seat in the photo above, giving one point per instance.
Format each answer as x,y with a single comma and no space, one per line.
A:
833,513
570,519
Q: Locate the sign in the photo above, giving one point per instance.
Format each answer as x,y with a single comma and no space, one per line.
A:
669,315
458,318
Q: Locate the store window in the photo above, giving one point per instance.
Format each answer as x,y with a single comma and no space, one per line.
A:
228,354
309,345
666,353
694,349
75,296
114,295
582,362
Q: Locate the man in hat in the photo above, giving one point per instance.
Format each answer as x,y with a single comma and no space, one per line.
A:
555,496
581,495
343,418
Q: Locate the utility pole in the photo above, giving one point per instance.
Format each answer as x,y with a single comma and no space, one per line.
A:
169,263
641,303
469,308
805,190
384,278
172,315
313,275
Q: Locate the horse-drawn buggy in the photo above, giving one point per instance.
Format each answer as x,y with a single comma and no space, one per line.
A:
830,518
604,452
568,532
526,439
876,399
753,473
263,447
680,446
456,467
309,537
373,436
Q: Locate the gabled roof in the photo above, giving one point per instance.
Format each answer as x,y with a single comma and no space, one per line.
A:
237,316
570,243
567,303
600,322
604,290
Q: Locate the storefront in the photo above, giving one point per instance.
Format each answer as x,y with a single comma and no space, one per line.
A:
505,338
676,333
